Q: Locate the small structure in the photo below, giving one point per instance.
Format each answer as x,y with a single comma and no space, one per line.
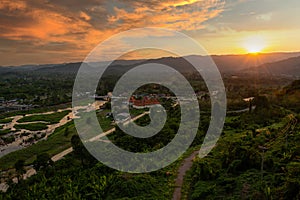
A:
249,100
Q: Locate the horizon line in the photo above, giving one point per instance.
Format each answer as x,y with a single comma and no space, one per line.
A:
230,54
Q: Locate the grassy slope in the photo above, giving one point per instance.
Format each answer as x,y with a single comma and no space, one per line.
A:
51,118
232,170
33,111
31,127
56,143
5,120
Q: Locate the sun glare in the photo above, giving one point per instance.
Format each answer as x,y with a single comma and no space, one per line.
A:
254,44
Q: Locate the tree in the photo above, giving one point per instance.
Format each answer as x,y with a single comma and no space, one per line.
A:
66,133
261,102
80,151
77,147
42,161
19,166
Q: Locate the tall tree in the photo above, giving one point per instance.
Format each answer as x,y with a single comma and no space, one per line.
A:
19,166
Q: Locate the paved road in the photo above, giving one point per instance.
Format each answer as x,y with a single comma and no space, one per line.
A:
186,165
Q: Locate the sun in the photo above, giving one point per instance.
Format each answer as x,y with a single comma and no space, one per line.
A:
254,44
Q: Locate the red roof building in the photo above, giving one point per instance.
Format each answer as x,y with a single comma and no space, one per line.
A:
143,102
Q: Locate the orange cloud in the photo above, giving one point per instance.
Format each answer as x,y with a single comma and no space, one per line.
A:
179,15
12,5
77,29
45,25
85,16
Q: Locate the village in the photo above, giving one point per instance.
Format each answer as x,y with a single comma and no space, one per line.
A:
13,105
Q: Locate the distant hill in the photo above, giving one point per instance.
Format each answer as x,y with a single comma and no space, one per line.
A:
274,63
292,88
234,63
289,67
289,96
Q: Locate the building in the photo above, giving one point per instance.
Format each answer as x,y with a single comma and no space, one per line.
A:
144,102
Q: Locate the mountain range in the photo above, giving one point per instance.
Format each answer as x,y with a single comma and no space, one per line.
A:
275,64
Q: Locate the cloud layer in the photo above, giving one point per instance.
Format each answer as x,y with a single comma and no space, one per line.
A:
37,31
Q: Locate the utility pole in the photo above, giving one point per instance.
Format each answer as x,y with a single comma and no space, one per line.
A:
262,161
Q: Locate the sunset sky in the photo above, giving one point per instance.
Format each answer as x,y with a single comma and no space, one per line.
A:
57,31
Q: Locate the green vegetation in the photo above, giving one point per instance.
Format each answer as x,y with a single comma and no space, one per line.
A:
42,161
31,127
257,157
19,166
56,143
6,131
50,118
90,179
53,108
134,144
289,96
105,122
136,112
8,139
6,120
91,182
233,170
93,179
40,89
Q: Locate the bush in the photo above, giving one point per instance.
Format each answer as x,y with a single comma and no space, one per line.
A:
203,190
4,132
9,139
32,127
6,120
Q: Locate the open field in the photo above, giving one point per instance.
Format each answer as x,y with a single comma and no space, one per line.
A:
5,120
31,126
50,118
55,143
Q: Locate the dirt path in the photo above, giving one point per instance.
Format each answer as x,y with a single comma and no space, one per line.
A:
114,129
61,154
186,165
11,124
136,117
102,135
19,138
